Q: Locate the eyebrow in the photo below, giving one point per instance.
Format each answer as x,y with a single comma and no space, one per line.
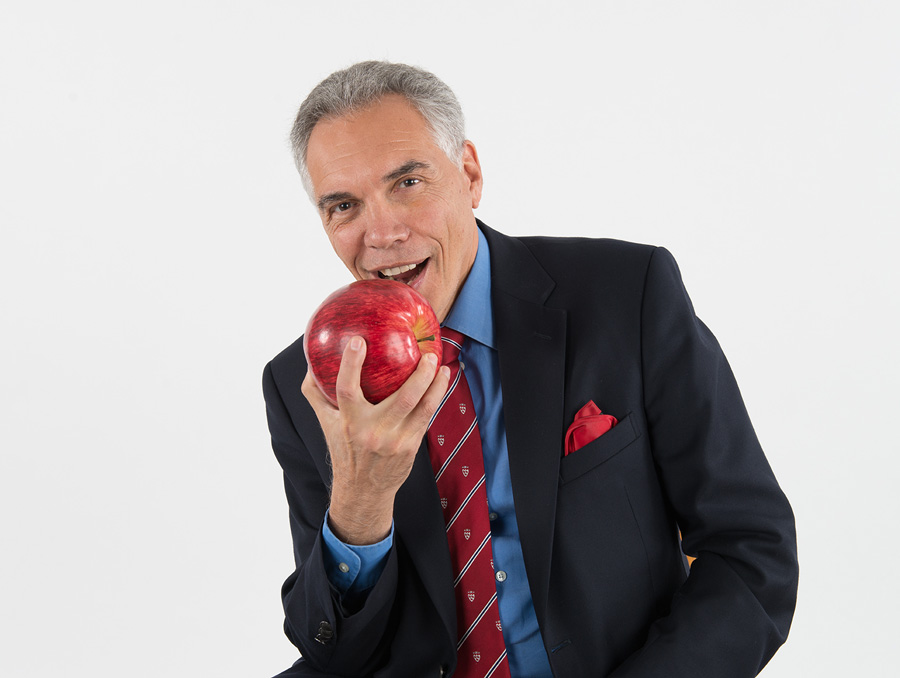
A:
329,198
405,168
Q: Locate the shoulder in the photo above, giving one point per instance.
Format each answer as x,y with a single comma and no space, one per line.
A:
565,257
578,265
565,254
291,358
595,280
286,370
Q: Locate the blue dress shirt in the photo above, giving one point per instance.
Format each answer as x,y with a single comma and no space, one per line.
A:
353,570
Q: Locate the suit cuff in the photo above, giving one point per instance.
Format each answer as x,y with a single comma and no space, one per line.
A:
353,569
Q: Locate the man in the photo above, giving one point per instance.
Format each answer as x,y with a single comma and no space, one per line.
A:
586,560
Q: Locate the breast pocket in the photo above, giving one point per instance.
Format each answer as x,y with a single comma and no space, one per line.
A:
598,451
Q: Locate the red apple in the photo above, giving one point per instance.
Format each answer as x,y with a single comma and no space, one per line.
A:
397,323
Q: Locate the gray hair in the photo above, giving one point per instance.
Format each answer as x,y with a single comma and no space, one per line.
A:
366,83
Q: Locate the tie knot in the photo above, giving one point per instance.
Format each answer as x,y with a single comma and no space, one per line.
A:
452,343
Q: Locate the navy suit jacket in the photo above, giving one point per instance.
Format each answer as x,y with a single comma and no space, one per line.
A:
576,320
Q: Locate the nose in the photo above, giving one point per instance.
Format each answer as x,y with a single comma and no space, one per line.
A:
384,227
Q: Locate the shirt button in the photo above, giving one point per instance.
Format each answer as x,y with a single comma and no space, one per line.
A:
492,516
462,365
344,567
501,575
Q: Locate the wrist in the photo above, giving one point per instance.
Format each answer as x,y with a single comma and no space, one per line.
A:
360,521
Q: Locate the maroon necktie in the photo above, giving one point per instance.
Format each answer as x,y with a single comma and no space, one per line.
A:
454,445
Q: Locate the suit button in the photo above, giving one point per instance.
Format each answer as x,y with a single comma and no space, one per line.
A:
325,633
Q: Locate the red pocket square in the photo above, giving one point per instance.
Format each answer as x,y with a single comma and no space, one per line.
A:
590,423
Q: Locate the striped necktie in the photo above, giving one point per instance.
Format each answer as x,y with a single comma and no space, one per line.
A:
454,445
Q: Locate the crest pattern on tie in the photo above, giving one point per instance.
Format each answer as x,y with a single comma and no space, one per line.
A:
454,445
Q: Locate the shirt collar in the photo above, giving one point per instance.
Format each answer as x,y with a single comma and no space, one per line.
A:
472,312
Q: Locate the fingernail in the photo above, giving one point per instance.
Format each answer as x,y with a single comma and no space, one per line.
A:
445,371
431,358
356,343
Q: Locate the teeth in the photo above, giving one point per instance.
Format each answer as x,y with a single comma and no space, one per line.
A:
397,270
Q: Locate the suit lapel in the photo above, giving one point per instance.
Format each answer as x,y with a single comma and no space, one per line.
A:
531,340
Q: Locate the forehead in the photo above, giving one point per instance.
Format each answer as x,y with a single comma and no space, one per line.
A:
372,141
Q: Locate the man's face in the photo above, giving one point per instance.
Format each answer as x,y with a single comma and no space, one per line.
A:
390,198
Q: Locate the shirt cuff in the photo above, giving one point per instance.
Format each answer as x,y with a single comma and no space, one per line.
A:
351,568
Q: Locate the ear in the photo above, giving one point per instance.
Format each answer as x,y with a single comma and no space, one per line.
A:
472,170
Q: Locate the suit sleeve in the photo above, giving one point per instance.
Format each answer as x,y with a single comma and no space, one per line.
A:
332,636
735,608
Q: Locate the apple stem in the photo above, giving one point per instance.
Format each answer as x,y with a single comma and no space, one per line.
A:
431,338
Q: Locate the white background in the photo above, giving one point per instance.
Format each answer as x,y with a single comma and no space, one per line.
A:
157,249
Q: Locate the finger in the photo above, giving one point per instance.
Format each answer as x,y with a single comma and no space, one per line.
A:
347,388
315,397
424,411
405,399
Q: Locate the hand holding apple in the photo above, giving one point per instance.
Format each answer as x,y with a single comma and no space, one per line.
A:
372,447
396,322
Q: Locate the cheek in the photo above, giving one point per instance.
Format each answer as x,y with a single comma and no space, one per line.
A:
345,247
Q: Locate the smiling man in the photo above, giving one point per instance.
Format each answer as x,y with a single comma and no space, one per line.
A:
391,199
515,512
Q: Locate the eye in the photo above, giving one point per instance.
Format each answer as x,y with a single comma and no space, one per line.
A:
340,211
406,183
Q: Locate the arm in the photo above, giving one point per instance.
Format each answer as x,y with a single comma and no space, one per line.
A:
307,595
735,608
360,635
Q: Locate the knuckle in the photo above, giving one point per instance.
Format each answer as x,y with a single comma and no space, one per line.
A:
406,401
431,402
343,391
363,440
420,420
371,441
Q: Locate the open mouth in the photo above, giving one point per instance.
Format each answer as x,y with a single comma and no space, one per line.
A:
405,274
